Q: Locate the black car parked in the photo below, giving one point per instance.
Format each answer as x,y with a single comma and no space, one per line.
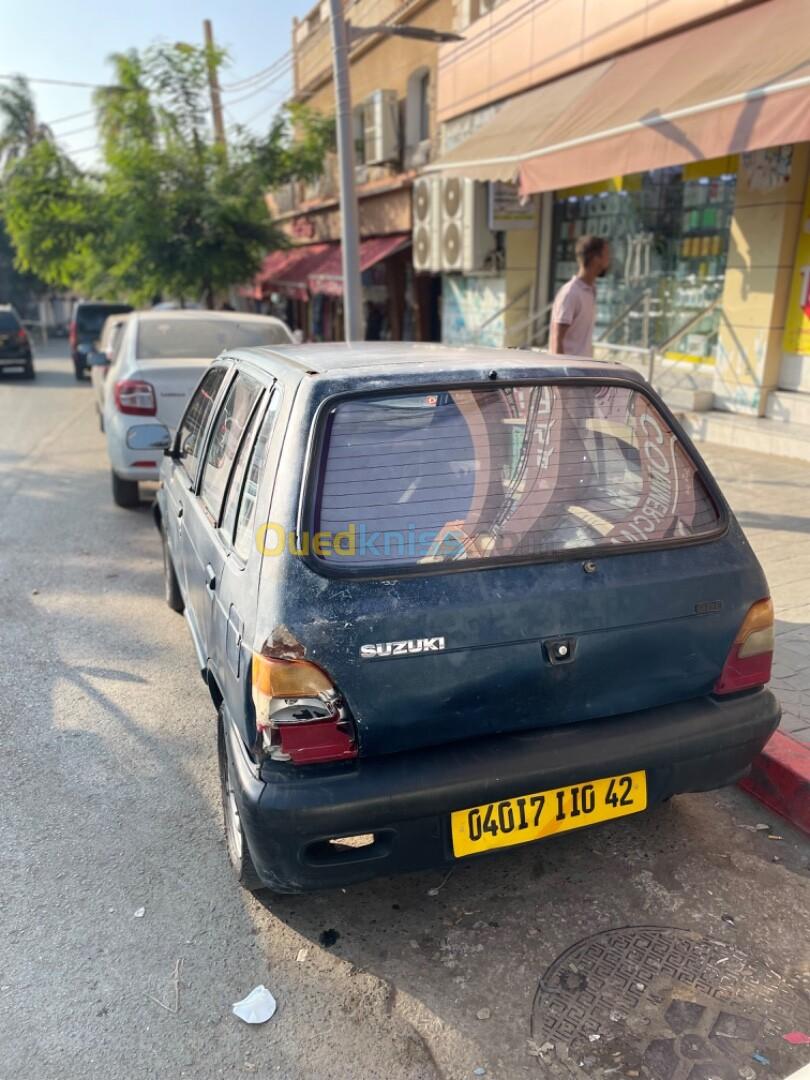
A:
15,345
85,330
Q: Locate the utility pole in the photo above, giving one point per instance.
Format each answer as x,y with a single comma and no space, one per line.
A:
350,247
213,84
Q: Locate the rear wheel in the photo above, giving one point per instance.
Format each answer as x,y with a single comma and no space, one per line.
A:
78,368
125,492
28,370
171,586
235,840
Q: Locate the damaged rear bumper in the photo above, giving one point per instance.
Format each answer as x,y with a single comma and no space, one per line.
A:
405,800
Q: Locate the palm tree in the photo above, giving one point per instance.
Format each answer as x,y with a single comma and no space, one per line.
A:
20,128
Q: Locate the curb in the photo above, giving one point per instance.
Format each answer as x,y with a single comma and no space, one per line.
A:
780,778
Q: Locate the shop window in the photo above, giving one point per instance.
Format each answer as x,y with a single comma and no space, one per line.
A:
668,235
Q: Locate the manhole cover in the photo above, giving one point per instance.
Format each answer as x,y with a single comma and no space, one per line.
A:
665,1004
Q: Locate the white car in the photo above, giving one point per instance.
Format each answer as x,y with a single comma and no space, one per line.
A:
99,360
158,363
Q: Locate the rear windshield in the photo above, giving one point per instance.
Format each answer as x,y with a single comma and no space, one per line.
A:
91,317
512,472
166,339
8,321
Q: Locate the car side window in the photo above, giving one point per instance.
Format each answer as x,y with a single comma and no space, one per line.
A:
226,438
194,422
243,536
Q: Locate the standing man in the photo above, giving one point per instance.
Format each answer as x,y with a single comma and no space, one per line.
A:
574,311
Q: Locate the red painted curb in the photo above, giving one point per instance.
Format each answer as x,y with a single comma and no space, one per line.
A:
780,778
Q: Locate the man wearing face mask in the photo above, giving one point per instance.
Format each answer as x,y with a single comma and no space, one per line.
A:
574,311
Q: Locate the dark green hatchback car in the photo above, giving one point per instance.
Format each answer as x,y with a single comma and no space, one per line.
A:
447,601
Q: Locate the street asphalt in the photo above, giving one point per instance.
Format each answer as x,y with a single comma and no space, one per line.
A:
671,945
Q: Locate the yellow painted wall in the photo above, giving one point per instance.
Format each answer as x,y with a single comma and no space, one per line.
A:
762,249
521,269
388,65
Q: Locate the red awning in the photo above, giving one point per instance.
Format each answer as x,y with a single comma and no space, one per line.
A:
328,277
287,271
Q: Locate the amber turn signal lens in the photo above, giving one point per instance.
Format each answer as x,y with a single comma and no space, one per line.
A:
275,678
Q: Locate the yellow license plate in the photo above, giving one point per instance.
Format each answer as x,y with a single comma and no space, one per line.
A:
544,813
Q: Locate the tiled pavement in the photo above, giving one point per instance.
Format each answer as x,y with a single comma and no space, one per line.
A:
771,498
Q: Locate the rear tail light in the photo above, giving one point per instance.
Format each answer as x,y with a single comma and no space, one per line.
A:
749,662
135,398
22,336
300,716
73,335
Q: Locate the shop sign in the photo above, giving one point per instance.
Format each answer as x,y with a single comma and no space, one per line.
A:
797,323
507,211
765,170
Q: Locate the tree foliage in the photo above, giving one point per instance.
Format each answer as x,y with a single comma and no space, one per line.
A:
20,128
171,212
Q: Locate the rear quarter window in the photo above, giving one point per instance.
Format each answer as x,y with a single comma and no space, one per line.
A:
8,322
503,473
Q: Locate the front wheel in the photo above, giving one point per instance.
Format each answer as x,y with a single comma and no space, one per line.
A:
125,492
171,586
235,840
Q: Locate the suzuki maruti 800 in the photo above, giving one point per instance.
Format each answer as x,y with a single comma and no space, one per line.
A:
448,601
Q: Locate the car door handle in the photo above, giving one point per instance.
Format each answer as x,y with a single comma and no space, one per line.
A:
180,511
210,577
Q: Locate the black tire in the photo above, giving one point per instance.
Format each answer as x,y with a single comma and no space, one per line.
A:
28,370
78,368
171,586
125,492
235,839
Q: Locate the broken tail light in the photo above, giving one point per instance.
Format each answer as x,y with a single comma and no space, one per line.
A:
748,664
300,716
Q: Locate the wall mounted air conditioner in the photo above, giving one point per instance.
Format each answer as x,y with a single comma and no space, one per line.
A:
466,239
427,230
381,127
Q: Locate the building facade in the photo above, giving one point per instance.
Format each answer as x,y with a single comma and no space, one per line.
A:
679,131
393,86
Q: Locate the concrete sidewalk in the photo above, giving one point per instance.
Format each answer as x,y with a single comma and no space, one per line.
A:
771,497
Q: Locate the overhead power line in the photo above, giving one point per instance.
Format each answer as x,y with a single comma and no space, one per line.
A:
243,84
72,116
65,82
265,86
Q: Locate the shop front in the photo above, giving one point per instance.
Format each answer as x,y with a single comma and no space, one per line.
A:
668,231
304,286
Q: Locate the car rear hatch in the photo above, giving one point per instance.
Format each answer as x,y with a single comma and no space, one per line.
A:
173,382
511,558
12,342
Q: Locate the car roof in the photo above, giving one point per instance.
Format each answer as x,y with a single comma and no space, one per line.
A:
367,357
195,314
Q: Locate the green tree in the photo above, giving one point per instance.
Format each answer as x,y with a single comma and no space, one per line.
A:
170,213
20,129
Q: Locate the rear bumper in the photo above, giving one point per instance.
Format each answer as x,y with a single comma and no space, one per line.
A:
405,799
18,360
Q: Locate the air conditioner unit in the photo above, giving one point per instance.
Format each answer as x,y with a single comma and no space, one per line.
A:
381,127
466,239
427,223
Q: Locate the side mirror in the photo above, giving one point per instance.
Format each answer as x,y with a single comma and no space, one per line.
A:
97,359
149,437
